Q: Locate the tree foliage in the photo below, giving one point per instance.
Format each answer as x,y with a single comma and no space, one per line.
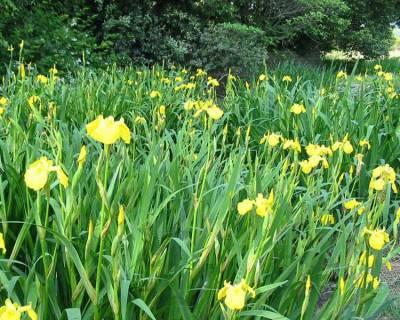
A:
148,31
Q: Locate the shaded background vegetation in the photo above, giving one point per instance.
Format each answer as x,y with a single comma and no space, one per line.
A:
217,34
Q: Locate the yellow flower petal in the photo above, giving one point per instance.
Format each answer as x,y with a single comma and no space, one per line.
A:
2,243
235,297
124,132
377,239
347,147
37,174
108,131
297,109
214,112
245,206
82,156
62,177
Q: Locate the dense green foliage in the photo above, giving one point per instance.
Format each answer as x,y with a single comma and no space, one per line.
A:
234,46
182,32
180,181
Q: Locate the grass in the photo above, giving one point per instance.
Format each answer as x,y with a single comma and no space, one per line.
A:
180,180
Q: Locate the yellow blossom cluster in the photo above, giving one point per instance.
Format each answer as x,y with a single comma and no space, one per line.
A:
212,82
388,77
354,204
264,206
273,139
381,177
207,106
366,279
366,259
344,145
42,79
185,86
313,162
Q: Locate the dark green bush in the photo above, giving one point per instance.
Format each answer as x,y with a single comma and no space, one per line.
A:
217,34
241,48
50,37
144,38
373,41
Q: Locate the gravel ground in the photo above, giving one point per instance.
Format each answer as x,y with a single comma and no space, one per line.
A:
392,278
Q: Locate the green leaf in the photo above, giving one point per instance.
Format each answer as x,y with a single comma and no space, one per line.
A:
269,287
79,266
142,305
378,302
124,296
72,314
263,314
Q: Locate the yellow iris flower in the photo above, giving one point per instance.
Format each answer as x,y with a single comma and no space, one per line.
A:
344,145
292,145
155,94
235,295
212,82
262,77
207,106
42,79
13,311
351,204
272,139
318,150
342,286
263,205
287,78
313,161
108,131
297,109
365,143
363,280
341,75
38,173
3,101
388,76
33,100
327,219
381,176
377,238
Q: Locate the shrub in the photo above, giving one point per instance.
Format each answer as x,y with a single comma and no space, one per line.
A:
50,37
241,48
144,38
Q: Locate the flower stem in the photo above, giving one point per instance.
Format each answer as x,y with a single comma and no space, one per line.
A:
102,236
42,237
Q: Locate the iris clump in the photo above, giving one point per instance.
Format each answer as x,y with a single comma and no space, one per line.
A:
173,193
